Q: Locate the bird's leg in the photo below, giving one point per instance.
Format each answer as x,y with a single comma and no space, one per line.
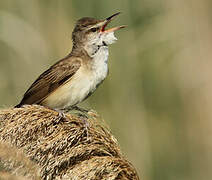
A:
80,109
76,108
61,113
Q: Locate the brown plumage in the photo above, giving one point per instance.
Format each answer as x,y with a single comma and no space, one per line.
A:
50,80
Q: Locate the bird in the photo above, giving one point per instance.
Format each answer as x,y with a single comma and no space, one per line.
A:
74,78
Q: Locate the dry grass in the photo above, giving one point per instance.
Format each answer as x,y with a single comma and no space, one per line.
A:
8,176
15,160
63,148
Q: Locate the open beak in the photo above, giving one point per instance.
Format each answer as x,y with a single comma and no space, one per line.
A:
107,21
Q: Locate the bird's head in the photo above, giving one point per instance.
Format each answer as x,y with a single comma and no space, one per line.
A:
91,33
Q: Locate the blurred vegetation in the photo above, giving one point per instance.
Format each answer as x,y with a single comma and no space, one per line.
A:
157,98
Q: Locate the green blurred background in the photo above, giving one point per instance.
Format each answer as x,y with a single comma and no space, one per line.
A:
157,98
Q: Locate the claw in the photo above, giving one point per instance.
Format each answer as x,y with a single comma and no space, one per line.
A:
61,114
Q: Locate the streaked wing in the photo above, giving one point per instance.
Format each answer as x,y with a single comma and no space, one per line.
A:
50,80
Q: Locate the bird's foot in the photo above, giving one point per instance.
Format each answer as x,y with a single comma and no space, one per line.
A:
61,114
80,109
81,113
77,110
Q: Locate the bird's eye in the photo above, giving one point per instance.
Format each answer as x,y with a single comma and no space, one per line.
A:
94,29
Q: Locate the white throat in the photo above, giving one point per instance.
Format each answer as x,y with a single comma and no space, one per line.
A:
99,42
